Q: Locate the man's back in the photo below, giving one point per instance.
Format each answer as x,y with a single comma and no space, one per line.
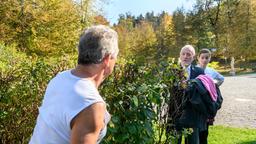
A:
65,97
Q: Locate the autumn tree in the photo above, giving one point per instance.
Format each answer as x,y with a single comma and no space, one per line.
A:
45,28
138,42
179,23
145,42
99,19
166,37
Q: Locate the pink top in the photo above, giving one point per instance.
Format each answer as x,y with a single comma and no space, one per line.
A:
209,85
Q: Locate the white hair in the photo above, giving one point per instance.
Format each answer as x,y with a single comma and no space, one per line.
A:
190,48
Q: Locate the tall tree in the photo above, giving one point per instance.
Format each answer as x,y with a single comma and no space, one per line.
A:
166,37
10,21
49,27
99,19
179,27
209,13
124,29
52,30
137,41
145,42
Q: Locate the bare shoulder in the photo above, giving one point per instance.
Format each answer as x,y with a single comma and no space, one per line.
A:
87,124
88,114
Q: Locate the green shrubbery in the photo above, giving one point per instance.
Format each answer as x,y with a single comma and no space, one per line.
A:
137,97
23,81
214,65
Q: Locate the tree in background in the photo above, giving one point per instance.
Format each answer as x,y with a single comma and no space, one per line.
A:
9,20
138,42
237,30
44,28
124,29
99,19
145,42
53,32
179,27
149,37
166,44
227,25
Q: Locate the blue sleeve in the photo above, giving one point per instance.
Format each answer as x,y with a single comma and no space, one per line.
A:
217,76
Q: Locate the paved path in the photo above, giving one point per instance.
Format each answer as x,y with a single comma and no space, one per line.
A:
239,105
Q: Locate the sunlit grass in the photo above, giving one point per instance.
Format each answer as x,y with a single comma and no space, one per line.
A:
230,135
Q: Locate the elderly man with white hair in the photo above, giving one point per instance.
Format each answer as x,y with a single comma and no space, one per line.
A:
188,119
73,111
187,55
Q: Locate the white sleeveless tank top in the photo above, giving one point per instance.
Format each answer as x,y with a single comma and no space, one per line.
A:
65,96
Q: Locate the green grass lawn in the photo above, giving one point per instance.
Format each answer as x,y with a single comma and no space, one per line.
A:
230,135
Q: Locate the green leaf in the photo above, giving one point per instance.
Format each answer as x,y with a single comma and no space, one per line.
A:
135,101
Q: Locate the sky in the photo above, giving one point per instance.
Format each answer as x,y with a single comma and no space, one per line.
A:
137,7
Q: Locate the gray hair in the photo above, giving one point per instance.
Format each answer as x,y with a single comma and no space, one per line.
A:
96,43
190,48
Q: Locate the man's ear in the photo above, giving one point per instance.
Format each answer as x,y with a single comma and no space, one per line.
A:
106,60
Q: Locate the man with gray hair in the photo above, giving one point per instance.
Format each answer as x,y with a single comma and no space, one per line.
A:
73,111
188,119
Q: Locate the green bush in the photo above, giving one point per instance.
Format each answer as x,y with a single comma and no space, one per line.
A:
137,96
214,65
23,81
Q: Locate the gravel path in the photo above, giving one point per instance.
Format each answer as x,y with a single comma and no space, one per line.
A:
239,105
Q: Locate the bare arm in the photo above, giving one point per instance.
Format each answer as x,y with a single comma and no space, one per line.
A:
87,124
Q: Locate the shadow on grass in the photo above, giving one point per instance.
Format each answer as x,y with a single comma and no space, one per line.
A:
249,142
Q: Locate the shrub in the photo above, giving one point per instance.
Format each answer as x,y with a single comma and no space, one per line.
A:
23,81
214,65
137,97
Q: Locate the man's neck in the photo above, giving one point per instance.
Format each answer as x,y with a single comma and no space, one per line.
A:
89,72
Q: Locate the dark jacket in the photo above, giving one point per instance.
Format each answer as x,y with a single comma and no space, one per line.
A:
174,113
208,106
195,71
198,106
